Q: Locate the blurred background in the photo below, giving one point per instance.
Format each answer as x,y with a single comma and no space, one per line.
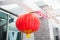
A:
50,27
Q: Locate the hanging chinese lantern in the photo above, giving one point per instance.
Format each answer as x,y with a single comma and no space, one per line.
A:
28,23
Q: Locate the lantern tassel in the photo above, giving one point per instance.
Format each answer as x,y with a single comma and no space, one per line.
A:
28,35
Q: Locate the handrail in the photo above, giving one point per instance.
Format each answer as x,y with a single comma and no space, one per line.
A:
8,12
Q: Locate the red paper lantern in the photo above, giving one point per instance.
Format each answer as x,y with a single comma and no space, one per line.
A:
28,23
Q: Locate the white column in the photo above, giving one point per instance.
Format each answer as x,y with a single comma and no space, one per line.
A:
51,30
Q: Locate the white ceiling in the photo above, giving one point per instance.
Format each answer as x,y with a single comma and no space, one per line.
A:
2,0
54,3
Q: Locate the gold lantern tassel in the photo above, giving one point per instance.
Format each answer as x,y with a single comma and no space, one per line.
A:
28,35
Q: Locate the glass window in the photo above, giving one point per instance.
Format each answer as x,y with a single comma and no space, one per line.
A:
8,30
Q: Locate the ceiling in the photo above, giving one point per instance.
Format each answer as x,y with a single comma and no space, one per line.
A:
54,3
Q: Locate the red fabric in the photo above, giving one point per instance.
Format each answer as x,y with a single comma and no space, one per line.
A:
28,23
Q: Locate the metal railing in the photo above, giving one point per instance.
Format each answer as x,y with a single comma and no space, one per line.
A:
8,12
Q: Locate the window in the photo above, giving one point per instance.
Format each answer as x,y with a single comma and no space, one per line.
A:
8,29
